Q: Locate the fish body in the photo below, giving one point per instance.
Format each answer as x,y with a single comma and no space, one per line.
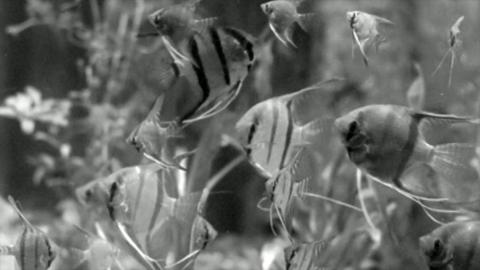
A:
453,246
269,131
33,249
220,61
387,140
282,15
365,30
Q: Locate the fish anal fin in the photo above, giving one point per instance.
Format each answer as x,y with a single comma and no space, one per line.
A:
288,36
277,34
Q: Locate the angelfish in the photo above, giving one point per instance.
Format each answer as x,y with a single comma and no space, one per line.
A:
219,61
385,141
270,133
282,15
33,249
453,41
453,246
365,30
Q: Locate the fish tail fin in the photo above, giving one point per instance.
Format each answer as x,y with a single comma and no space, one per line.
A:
452,160
306,21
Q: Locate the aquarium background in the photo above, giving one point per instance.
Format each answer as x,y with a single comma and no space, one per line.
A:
91,58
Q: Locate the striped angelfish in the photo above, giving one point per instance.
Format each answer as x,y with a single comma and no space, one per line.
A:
304,256
270,133
135,200
219,60
33,250
281,189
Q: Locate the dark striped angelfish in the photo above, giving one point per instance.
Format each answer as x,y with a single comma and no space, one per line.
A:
33,250
387,140
219,61
270,133
453,246
304,256
176,24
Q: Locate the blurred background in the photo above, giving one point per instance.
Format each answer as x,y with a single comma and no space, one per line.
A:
87,56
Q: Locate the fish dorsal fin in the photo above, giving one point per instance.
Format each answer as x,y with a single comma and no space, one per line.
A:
202,26
416,91
382,20
16,207
306,100
307,21
429,122
455,29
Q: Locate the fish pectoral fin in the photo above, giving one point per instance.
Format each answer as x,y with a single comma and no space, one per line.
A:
306,21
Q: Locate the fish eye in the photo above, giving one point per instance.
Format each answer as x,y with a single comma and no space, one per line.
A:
437,246
353,127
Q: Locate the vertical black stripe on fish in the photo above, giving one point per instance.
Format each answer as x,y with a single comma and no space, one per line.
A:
407,151
199,70
49,252
244,42
221,54
288,135
23,239
251,133
273,132
176,69
110,204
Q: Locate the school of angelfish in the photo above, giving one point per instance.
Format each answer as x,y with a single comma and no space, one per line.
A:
135,213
